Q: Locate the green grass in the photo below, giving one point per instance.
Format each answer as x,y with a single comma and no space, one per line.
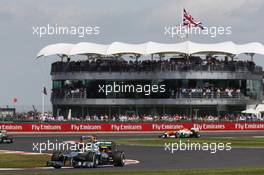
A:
235,142
22,161
240,171
30,161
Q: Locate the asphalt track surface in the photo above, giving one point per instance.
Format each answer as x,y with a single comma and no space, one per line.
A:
154,158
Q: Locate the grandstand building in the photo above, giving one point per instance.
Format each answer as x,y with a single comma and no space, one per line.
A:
154,79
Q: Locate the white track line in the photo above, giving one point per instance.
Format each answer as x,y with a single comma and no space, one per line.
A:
22,152
127,162
24,169
258,136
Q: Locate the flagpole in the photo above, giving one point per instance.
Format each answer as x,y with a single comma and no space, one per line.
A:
43,102
187,34
182,16
182,23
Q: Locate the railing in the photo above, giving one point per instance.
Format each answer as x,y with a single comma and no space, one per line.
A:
177,95
232,67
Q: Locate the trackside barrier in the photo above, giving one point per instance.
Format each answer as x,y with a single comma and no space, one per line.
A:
131,127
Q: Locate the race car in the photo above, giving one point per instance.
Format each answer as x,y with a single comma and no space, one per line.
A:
83,139
91,154
5,138
88,138
183,133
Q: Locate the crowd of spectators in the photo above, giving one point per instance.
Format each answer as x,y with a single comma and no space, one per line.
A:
143,118
69,92
212,92
173,118
205,92
191,63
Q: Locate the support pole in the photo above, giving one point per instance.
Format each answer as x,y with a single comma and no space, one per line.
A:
43,103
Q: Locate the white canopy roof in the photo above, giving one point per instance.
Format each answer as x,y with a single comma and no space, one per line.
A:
260,108
154,48
250,48
225,47
89,48
123,48
148,48
250,111
55,49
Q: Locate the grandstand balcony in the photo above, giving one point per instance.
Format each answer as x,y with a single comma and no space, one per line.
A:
178,101
151,67
155,75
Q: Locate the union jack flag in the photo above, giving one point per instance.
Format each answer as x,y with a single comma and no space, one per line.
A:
189,21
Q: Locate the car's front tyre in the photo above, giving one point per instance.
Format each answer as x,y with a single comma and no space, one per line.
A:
119,158
92,157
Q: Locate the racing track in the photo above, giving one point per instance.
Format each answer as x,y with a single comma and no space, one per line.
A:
155,158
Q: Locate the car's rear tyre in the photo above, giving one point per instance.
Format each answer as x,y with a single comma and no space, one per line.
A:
119,158
74,163
197,135
92,157
163,136
57,156
4,140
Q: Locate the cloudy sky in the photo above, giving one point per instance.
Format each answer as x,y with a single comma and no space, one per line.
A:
23,76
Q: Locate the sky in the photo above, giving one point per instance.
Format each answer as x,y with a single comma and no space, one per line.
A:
23,76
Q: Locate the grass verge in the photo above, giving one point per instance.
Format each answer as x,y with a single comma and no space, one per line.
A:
8,160
30,161
240,171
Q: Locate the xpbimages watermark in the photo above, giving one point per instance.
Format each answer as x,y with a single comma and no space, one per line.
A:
146,89
63,146
52,30
184,31
211,147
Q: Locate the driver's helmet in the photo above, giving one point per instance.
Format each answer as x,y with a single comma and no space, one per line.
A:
88,139
93,139
103,149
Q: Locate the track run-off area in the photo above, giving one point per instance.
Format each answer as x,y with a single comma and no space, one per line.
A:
152,157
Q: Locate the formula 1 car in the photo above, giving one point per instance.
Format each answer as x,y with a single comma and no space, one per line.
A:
93,154
183,133
88,138
5,138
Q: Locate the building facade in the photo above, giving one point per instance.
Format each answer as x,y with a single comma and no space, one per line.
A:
185,78
193,91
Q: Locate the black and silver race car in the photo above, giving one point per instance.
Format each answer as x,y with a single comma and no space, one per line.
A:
97,153
5,138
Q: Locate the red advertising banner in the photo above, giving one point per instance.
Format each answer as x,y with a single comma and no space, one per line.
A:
131,127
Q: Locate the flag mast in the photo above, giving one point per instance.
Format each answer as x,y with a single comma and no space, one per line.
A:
181,23
188,28
182,15
43,101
